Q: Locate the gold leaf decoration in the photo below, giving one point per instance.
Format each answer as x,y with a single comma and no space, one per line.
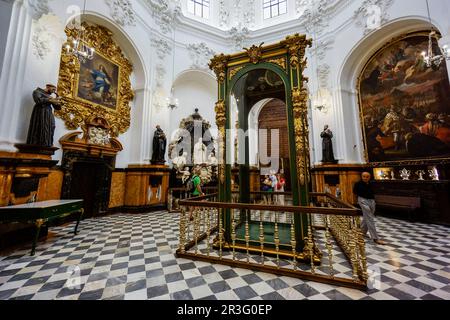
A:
300,108
255,53
234,71
296,45
75,111
221,122
219,64
279,61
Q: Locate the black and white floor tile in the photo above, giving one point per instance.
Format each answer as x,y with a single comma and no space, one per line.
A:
131,257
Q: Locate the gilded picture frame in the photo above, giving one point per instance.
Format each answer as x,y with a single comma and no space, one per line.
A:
397,90
82,98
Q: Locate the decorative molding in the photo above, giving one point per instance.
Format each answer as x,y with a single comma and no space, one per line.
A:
315,17
321,48
166,13
47,34
224,14
254,53
239,35
371,14
162,50
160,73
122,12
219,64
323,72
162,47
38,8
200,54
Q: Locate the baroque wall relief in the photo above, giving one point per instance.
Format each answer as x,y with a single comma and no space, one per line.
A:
38,8
200,55
122,12
167,13
99,87
372,14
162,49
47,35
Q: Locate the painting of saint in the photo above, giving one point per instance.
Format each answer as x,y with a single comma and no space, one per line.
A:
404,104
99,81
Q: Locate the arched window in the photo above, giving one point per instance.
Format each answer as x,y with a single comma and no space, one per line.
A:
274,8
199,8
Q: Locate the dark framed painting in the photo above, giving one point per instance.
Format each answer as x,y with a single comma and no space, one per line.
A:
405,105
98,81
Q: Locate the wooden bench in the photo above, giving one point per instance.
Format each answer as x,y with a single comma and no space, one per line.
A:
409,204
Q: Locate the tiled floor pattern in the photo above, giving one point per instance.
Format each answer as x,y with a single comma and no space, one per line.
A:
131,256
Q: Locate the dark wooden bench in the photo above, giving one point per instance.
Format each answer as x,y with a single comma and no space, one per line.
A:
399,203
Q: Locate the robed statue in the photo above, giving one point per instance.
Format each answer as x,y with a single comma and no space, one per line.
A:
327,146
42,123
200,156
159,146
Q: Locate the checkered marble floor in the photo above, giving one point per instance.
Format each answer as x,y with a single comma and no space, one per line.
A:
131,256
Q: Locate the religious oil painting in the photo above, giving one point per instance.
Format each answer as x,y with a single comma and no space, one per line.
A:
99,81
405,105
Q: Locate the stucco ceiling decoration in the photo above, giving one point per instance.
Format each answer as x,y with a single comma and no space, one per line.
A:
47,34
122,12
166,13
372,14
200,55
38,8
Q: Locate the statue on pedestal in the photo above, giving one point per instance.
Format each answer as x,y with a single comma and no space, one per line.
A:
159,146
42,123
327,146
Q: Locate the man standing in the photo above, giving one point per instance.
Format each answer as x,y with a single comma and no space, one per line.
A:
366,200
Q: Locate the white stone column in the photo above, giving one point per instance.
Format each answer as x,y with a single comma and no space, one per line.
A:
6,7
13,73
350,126
140,127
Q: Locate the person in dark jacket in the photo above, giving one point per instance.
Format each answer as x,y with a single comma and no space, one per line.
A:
366,200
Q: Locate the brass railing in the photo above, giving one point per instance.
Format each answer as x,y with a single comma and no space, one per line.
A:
262,236
177,194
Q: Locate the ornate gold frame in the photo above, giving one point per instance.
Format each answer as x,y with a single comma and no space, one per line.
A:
76,111
420,161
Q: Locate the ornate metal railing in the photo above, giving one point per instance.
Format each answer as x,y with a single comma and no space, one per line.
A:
175,195
263,236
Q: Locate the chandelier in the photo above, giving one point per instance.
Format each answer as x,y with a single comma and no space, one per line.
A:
77,47
432,60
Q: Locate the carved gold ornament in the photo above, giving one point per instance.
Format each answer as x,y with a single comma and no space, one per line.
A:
234,71
75,111
254,53
296,45
221,121
279,61
300,108
219,64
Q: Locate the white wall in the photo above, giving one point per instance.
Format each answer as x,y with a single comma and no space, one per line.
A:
343,45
